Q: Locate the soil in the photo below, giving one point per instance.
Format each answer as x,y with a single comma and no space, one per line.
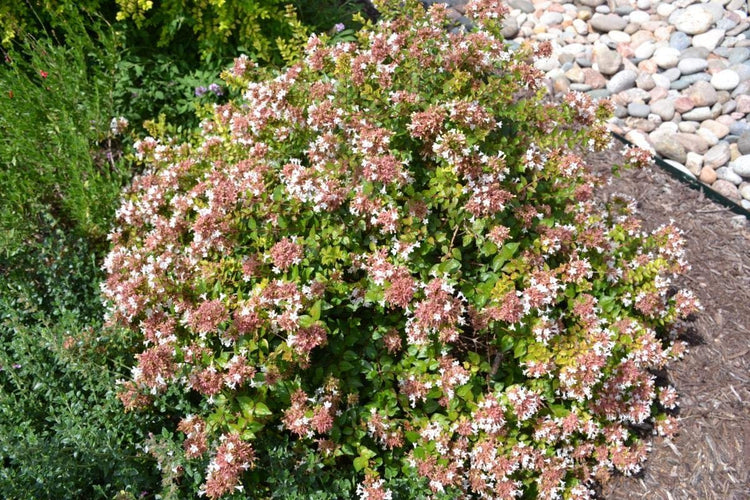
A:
710,458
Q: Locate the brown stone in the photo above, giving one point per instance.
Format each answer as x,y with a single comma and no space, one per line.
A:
692,142
708,175
683,104
648,66
594,78
727,189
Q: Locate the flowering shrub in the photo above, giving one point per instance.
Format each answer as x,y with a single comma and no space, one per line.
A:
388,257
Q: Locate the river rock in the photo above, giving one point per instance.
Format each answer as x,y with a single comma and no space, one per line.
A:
717,156
743,143
638,109
741,166
725,80
727,174
709,40
717,128
608,61
679,40
609,22
621,81
664,108
692,142
702,94
694,20
665,145
693,163
692,65
708,175
727,189
666,57
698,114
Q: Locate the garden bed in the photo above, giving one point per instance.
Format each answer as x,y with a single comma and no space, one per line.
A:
708,458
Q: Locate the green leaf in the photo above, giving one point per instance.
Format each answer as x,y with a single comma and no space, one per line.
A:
360,463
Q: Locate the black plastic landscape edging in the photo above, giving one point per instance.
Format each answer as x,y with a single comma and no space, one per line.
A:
692,182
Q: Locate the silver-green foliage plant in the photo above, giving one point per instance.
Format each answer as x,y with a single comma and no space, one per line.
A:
389,256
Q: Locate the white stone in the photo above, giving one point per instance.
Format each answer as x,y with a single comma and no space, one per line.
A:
694,20
725,80
639,17
644,50
665,9
709,40
741,166
667,57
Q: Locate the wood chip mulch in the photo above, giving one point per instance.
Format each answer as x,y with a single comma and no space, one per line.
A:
710,458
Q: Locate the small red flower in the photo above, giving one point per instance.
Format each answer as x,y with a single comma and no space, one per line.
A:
43,73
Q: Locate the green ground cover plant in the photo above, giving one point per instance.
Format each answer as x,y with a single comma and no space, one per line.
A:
384,264
62,430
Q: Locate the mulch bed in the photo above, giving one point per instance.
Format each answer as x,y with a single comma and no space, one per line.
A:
710,458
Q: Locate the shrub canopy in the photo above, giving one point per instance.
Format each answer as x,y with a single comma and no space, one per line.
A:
388,257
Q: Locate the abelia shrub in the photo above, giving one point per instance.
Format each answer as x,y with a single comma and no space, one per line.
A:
389,256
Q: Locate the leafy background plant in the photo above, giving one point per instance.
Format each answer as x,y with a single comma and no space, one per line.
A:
67,69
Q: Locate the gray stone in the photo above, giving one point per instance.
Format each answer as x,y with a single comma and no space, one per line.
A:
697,77
698,114
694,53
510,27
739,128
608,22
599,93
716,10
666,57
608,61
743,143
717,156
738,55
621,81
669,148
522,5
725,80
742,89
580,87
679,40
741,166
727,174
709,40
664,108
680,84
692,65
638,109
742,70
672,73
726,24
592,3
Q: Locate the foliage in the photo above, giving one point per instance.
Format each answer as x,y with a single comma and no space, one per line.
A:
268,30
387,258
62,430
55,114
